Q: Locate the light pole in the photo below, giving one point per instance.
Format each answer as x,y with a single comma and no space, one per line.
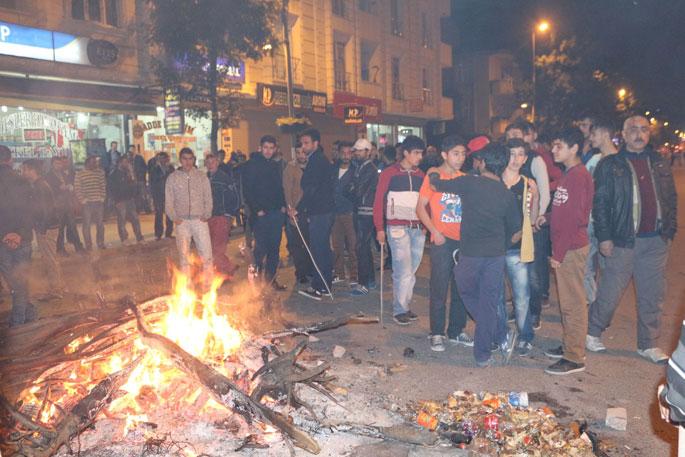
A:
541,27
289,70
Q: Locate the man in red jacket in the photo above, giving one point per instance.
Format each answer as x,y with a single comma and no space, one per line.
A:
571,208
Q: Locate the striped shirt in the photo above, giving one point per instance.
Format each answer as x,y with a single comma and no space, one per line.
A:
90,186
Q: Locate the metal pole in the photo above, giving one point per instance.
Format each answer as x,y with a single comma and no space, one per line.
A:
532,105
289,70
382,268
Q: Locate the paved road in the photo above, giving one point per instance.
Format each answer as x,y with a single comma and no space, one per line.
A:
617,378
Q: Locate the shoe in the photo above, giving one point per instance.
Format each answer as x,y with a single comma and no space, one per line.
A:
372,285
507,348
485,364
655,355
494,347
464,339
555,353
337,280
158,238
437,343
523,348
537,325
594,344
412,316
512,317
402,319
278,287
564,367
359,291
311,293
544,303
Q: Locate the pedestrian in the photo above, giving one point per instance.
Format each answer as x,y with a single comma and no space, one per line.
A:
188,202
601,134
159,172
42,207
15,238
140,175
394,209
263,191
62,187
318,205
635,220
124,190
364,193
671,396
519,256
111,157
225,206
223,165
90,186
292,176
441,214
584,123
344,233
491,222
570,246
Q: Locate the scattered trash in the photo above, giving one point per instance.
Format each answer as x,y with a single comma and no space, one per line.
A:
617,418
501,424
409,352
338,351
313,339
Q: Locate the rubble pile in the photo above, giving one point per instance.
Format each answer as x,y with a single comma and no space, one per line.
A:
500,424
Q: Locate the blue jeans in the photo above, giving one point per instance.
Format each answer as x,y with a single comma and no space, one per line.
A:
320,226
480,281
14,265
518,274
407,250
267,234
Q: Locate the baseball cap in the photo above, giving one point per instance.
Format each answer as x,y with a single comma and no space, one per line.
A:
362,143
476,144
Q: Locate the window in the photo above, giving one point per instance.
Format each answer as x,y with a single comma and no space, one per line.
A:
366,54
339,7
341,79
426,40
395,77
103,11
367,6
426,92
11,4
396,17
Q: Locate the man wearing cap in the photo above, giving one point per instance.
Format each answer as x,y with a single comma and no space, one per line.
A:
364,191
474,145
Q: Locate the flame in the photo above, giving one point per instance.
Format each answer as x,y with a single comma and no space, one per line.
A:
192,321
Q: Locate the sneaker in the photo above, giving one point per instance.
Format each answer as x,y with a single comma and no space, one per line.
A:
537,325
353,283
372,285
594,344
412,316
437,343
523,348
359,290
555,353
485,364
507,347
564,367
464,339
337,280
311,293
544,303
655,355
402,319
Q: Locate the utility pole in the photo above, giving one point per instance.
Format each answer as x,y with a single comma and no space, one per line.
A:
289,70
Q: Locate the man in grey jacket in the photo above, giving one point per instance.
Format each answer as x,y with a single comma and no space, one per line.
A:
188,202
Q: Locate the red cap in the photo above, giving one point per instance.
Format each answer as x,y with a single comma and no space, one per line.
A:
477,143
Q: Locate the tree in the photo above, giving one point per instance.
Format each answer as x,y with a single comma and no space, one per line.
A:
197,40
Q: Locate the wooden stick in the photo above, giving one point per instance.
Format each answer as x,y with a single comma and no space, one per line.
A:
322,326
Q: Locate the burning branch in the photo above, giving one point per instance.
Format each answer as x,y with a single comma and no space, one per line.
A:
321,326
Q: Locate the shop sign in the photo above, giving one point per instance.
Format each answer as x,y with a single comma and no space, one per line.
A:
270,96
371,107
354,114
34,134
233,71
33,120
21,41
173,113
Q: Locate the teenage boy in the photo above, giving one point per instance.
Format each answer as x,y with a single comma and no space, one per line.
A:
394,206
263,191
440,213
364,190
571,208
491,222
344,233
318,205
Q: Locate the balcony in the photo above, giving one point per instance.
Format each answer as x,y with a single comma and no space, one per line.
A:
279,73
342,81
397,91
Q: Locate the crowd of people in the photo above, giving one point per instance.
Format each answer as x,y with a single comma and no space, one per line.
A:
497,215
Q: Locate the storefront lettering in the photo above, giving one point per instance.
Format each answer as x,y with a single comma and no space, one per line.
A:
270,95
11,124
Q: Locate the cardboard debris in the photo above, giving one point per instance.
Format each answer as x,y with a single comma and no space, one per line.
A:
617,418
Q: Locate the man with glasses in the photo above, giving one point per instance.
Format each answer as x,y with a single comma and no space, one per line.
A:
635,220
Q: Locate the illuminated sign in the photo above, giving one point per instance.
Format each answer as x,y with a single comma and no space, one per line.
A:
354,114
270,95
173,114
20,41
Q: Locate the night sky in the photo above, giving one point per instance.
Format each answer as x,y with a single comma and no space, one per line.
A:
641,43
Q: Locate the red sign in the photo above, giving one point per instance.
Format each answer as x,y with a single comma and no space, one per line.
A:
34,134
342,100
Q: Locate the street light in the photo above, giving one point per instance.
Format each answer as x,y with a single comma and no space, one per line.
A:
524,105
647,113
622,93
666,124
541,27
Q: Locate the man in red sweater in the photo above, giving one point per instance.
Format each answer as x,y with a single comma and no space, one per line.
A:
571,208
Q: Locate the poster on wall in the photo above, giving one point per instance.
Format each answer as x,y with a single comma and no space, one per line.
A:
81,149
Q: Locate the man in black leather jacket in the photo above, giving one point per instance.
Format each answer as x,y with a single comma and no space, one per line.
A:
635,220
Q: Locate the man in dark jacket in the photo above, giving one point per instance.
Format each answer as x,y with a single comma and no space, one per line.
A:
343,226
123,190
15,238
225,206
159,171
140,174
263,192
63,191
318,204
635,220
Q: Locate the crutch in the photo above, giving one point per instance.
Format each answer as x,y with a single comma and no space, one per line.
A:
382,268
311,256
